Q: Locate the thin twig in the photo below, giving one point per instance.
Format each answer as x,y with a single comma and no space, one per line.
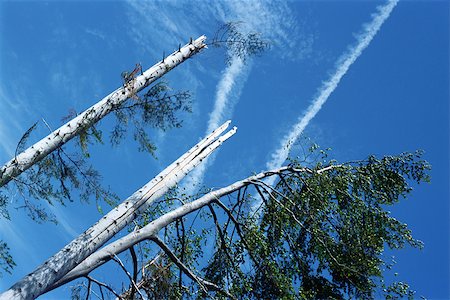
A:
88,289
204,284
117,259
101,284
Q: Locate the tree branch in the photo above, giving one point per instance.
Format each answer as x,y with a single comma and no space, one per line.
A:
204,284
135,270
101,284
46,276
133,282
104,255
39,150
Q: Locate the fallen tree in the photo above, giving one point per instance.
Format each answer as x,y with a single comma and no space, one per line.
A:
320,232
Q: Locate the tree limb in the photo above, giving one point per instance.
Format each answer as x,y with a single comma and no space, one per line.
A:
59,137
204,284
48,274
104,255
132,280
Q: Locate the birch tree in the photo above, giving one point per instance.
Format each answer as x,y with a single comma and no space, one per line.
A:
53,166
88,242
57,174
134,83
319,233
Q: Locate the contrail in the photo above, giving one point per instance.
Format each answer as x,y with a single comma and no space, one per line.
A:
273,19
344,63
235,72
225,86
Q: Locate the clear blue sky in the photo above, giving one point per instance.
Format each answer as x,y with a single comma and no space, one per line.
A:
57,55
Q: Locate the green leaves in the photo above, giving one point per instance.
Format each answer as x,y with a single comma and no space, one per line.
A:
322,233
157,108
238,42
6,261
89,136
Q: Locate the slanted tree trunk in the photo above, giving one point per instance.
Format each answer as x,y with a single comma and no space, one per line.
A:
105,254
92,115
46,275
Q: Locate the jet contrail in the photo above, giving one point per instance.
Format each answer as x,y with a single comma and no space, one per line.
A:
225,86
235,72
344,63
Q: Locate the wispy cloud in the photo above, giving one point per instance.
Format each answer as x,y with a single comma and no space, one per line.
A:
272,19
159,24
344,62
11,126
64,221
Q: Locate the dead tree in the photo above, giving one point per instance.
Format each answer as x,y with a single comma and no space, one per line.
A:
92,115
50,272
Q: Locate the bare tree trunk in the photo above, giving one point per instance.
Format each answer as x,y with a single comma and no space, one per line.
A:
46,275
105,254
92,115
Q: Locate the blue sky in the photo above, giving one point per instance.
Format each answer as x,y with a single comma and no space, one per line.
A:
56,56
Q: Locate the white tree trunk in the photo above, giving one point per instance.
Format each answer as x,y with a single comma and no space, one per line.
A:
59,137
46,275
105,254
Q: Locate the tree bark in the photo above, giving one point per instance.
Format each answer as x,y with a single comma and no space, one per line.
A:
46,275
92,115
105,254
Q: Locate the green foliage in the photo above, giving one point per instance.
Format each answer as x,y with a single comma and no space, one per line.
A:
59,177
89,136
398,290
238,42
6,261
157,108
161,280
321,234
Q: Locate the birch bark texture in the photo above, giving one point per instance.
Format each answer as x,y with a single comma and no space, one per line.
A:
92,115
46,275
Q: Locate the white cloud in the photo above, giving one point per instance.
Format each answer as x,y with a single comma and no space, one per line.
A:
159,24
226,84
